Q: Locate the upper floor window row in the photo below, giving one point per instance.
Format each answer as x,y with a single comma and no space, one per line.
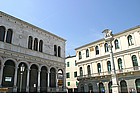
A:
57,51
6,33
35,44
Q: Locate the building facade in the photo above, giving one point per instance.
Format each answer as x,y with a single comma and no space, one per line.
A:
31,59
71,74
94,66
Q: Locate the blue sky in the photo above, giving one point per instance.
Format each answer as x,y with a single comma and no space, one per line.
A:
78,21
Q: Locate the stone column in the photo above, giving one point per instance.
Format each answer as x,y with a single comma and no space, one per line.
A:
27,86
1,74
15,80
64,81
48,86
38,87
56,82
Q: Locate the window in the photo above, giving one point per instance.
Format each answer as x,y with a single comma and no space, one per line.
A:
40,45
87,53
68,64
68,75
80,55
75,74
2,33
9,36
108,66
76,83
106,47
130,40
97,50
116,42
59,51
75,63
68,83
35,44
88,70
120,64
99,67
55,50
134,61
81,71
30,42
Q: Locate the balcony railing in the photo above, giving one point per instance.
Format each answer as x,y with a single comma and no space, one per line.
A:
121,71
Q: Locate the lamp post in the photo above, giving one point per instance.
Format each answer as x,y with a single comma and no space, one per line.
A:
108,39
22,68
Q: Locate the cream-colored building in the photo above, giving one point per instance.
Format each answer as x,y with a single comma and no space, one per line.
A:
94,66
31,59
71,74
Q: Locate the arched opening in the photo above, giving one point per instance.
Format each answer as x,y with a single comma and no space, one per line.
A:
43,79
137,82
9,36
59,51
123,86
87,53
88,70
52,78
116,42
2,33
22,77
97,50
35,44
101,88
109,66
30,42
99,68
110,87
120,64
130,40
81,71
55,50
82,89
8,74
41,46
135,62
106,47
90,88
33,84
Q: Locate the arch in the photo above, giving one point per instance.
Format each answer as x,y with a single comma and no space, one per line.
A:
33,82
99,68
52,77
123,86
110,87
8,74
82,88
137,83
81,71
2,33
43,79
30,42
87,52
106,47
9,36
88,70
90,88
22,77
109,66
101,88
35,44
120,64
134,62
130,40
80,55
97,50
59,51
41,45
55,50
116,42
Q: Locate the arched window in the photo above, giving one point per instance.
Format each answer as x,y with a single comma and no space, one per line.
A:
130,40
30,42
135,62
109,66
97,50
88,70
80,55
82,88
2,33
120,64
90,88
52,77
40,45
110,87
99,67
123,86
9,36
137,82
116,42
101,88
35,44
59,51
55,50
106,47
81,71
87,53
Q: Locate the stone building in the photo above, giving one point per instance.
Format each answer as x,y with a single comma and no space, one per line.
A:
71,74
31,59
94,66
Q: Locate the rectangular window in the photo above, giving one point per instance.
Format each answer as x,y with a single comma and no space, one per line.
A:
68,83
75,74
68,64
68,75
76,83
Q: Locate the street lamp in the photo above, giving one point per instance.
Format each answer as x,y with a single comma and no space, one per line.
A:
22,68
108,39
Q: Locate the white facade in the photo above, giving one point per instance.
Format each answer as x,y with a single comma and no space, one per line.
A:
37,49
94,68
71,74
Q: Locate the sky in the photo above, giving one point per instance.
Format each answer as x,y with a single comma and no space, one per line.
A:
78,21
